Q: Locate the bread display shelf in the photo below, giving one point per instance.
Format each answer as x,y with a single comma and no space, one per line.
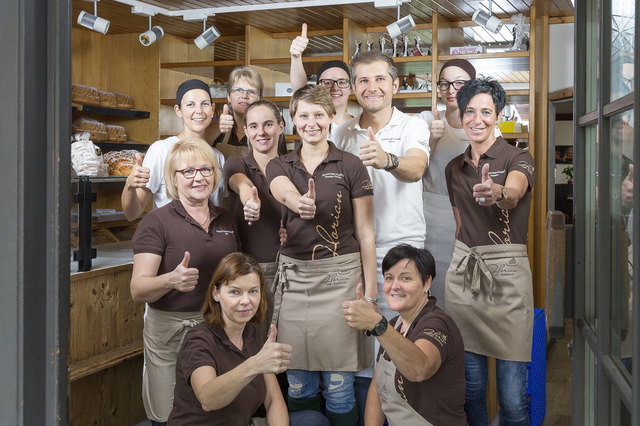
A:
117,146
116,112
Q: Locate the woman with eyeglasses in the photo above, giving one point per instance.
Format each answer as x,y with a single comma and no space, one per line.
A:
176,250
245,87
447,140
332,75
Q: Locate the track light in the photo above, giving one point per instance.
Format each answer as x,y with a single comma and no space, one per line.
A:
487,20
207,37
93,22
401,26
151,35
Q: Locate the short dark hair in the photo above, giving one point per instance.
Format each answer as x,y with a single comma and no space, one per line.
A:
422,258
233,266
481,85
369,57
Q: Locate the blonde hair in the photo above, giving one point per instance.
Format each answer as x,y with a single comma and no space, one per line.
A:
313,94
194,147
250,74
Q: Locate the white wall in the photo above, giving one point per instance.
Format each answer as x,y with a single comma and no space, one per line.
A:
561,55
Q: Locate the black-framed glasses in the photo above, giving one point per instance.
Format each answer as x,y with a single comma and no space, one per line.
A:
240,91
191,173
342,83
457,84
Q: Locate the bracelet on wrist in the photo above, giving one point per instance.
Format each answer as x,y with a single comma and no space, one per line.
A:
386,166
394,162
374,300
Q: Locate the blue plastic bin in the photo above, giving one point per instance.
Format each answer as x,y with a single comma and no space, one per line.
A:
537,370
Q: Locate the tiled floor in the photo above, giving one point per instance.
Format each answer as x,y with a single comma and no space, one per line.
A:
559,375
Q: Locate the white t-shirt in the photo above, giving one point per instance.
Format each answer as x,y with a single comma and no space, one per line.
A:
154,160
398,216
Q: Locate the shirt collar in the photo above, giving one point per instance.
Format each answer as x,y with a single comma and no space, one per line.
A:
178,207
247,333
396,117
334,154
493,152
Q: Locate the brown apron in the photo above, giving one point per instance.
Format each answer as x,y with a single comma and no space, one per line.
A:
229,150
308,314
490,297
270,273
394,406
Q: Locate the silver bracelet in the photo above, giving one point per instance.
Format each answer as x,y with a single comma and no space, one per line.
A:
375,301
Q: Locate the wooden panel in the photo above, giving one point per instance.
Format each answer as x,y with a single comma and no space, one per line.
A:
352,32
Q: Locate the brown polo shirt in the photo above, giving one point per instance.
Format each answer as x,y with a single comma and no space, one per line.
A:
169,231
260,240
490,225
339,178
440,398
207,346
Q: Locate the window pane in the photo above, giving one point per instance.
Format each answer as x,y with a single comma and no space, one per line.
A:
622,46
591,220
593,57
621,201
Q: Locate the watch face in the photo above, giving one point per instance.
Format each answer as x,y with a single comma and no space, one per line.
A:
380,327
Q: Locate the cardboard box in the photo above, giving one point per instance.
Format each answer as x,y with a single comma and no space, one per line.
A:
465,50
283,89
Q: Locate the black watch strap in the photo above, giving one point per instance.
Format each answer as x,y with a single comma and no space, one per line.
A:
379,328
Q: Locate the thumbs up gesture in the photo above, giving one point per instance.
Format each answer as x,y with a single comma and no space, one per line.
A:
360,314
273,357
183,278
252,206
139,175
486,192
436,127
225,121
371,153
299,44
307,203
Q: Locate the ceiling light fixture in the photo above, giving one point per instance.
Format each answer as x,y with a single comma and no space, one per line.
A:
487,20
152,35
208,36
93,22
401,26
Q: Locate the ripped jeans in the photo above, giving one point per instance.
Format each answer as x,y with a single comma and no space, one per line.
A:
338,391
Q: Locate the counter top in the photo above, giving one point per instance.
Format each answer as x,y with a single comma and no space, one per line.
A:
109,255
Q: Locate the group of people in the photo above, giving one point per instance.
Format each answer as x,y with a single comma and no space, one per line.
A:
269,306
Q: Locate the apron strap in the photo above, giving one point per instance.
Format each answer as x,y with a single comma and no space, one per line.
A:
176,329
280,283
475,268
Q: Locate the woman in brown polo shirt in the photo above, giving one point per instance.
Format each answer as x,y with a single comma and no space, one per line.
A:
488,285
223,372
419,378
176,249
257,213
329,249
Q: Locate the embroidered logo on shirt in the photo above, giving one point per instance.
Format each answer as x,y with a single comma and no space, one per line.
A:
494,173
526,166
333,175
367,184
400,387
330,237
225,231
439,336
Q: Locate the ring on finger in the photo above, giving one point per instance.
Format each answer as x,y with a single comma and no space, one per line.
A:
481,200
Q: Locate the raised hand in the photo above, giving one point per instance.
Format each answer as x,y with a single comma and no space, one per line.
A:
252,206
183,278
299,44
307,203
274,357
225,121
485,192
139,175
436,127
360,314
626,192
371,153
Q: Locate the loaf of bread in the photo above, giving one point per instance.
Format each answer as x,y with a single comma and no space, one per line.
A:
85,95
124,101
121,162
116,133
108,99
96,129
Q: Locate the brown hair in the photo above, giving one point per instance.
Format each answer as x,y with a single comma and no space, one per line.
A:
231,267
369,57
250,74
183,149
261,102
313,94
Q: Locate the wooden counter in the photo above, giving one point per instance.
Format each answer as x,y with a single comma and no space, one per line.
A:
105,348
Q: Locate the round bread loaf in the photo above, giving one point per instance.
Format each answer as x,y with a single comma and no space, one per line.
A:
108,99
116,133
124,101
96,129
121,162
85,95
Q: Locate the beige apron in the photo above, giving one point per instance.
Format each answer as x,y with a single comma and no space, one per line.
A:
490,297
270,273
394,406
308,314
229,150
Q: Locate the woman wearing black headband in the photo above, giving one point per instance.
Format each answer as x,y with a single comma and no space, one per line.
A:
333,75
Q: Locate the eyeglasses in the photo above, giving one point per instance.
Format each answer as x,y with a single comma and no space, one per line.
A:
252,93
342,83
191,173
444,84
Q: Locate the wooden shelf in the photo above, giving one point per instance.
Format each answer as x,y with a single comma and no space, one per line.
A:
524,54
403,59
100,362
201,64
292,138
306,59
116,112
117,146
512,136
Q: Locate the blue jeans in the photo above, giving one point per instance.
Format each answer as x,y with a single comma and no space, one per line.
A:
338,391
511,381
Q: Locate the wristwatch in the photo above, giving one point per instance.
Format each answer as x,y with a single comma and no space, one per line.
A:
504,195
379,328
394,162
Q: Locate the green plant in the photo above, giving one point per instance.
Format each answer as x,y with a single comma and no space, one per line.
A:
568,172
